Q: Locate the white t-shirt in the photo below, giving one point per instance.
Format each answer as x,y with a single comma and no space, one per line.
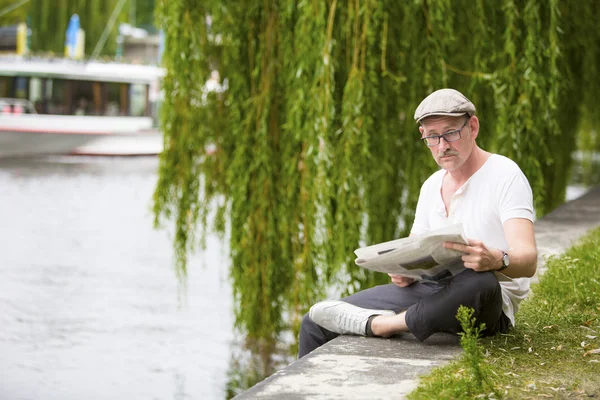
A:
497,192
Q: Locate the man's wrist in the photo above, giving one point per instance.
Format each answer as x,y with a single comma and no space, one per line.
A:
504,261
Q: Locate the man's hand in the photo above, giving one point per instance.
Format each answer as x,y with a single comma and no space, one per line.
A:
479,257
401,281
521,250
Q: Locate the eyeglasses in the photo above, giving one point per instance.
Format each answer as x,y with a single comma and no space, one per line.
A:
450,136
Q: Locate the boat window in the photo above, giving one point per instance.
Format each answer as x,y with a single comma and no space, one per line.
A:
137,99
74,97
21,86
58,101
83,98
35,89
113,105
6,86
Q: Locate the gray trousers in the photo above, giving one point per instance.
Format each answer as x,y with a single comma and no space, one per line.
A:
430,307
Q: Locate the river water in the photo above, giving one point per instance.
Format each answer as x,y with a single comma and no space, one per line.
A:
89,303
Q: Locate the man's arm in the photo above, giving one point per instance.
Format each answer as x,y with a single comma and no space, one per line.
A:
522,251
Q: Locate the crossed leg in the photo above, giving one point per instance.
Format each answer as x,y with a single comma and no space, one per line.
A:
422,308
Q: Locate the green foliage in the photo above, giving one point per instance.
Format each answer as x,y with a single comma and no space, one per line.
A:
473,353
50,18
17,15
143,12
317,151
467,377
553,351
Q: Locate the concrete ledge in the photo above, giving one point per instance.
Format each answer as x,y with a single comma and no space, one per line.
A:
352,367
358,367
563,227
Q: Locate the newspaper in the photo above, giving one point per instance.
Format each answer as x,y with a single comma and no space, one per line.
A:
420,256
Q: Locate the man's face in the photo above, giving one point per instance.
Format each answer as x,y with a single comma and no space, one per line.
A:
450,155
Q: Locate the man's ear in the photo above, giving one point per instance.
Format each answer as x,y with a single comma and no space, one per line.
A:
421,129
474,125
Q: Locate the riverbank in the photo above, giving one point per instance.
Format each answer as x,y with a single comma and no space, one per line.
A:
352,367
553,352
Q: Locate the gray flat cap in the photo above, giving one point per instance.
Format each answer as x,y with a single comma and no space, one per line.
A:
447,102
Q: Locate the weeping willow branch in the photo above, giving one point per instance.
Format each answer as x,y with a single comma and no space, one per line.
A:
472,74
317,152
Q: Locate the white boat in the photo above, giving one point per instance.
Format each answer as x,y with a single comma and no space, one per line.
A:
56,106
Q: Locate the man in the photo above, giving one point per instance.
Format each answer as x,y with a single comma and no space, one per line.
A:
492,198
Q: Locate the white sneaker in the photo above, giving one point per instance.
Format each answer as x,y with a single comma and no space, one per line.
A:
343,318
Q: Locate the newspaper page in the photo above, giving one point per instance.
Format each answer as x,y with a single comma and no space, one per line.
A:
420,256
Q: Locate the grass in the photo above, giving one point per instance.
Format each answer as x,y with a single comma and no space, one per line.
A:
554,350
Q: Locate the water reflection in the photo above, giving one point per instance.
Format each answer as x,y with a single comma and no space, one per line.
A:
88,297
253,362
